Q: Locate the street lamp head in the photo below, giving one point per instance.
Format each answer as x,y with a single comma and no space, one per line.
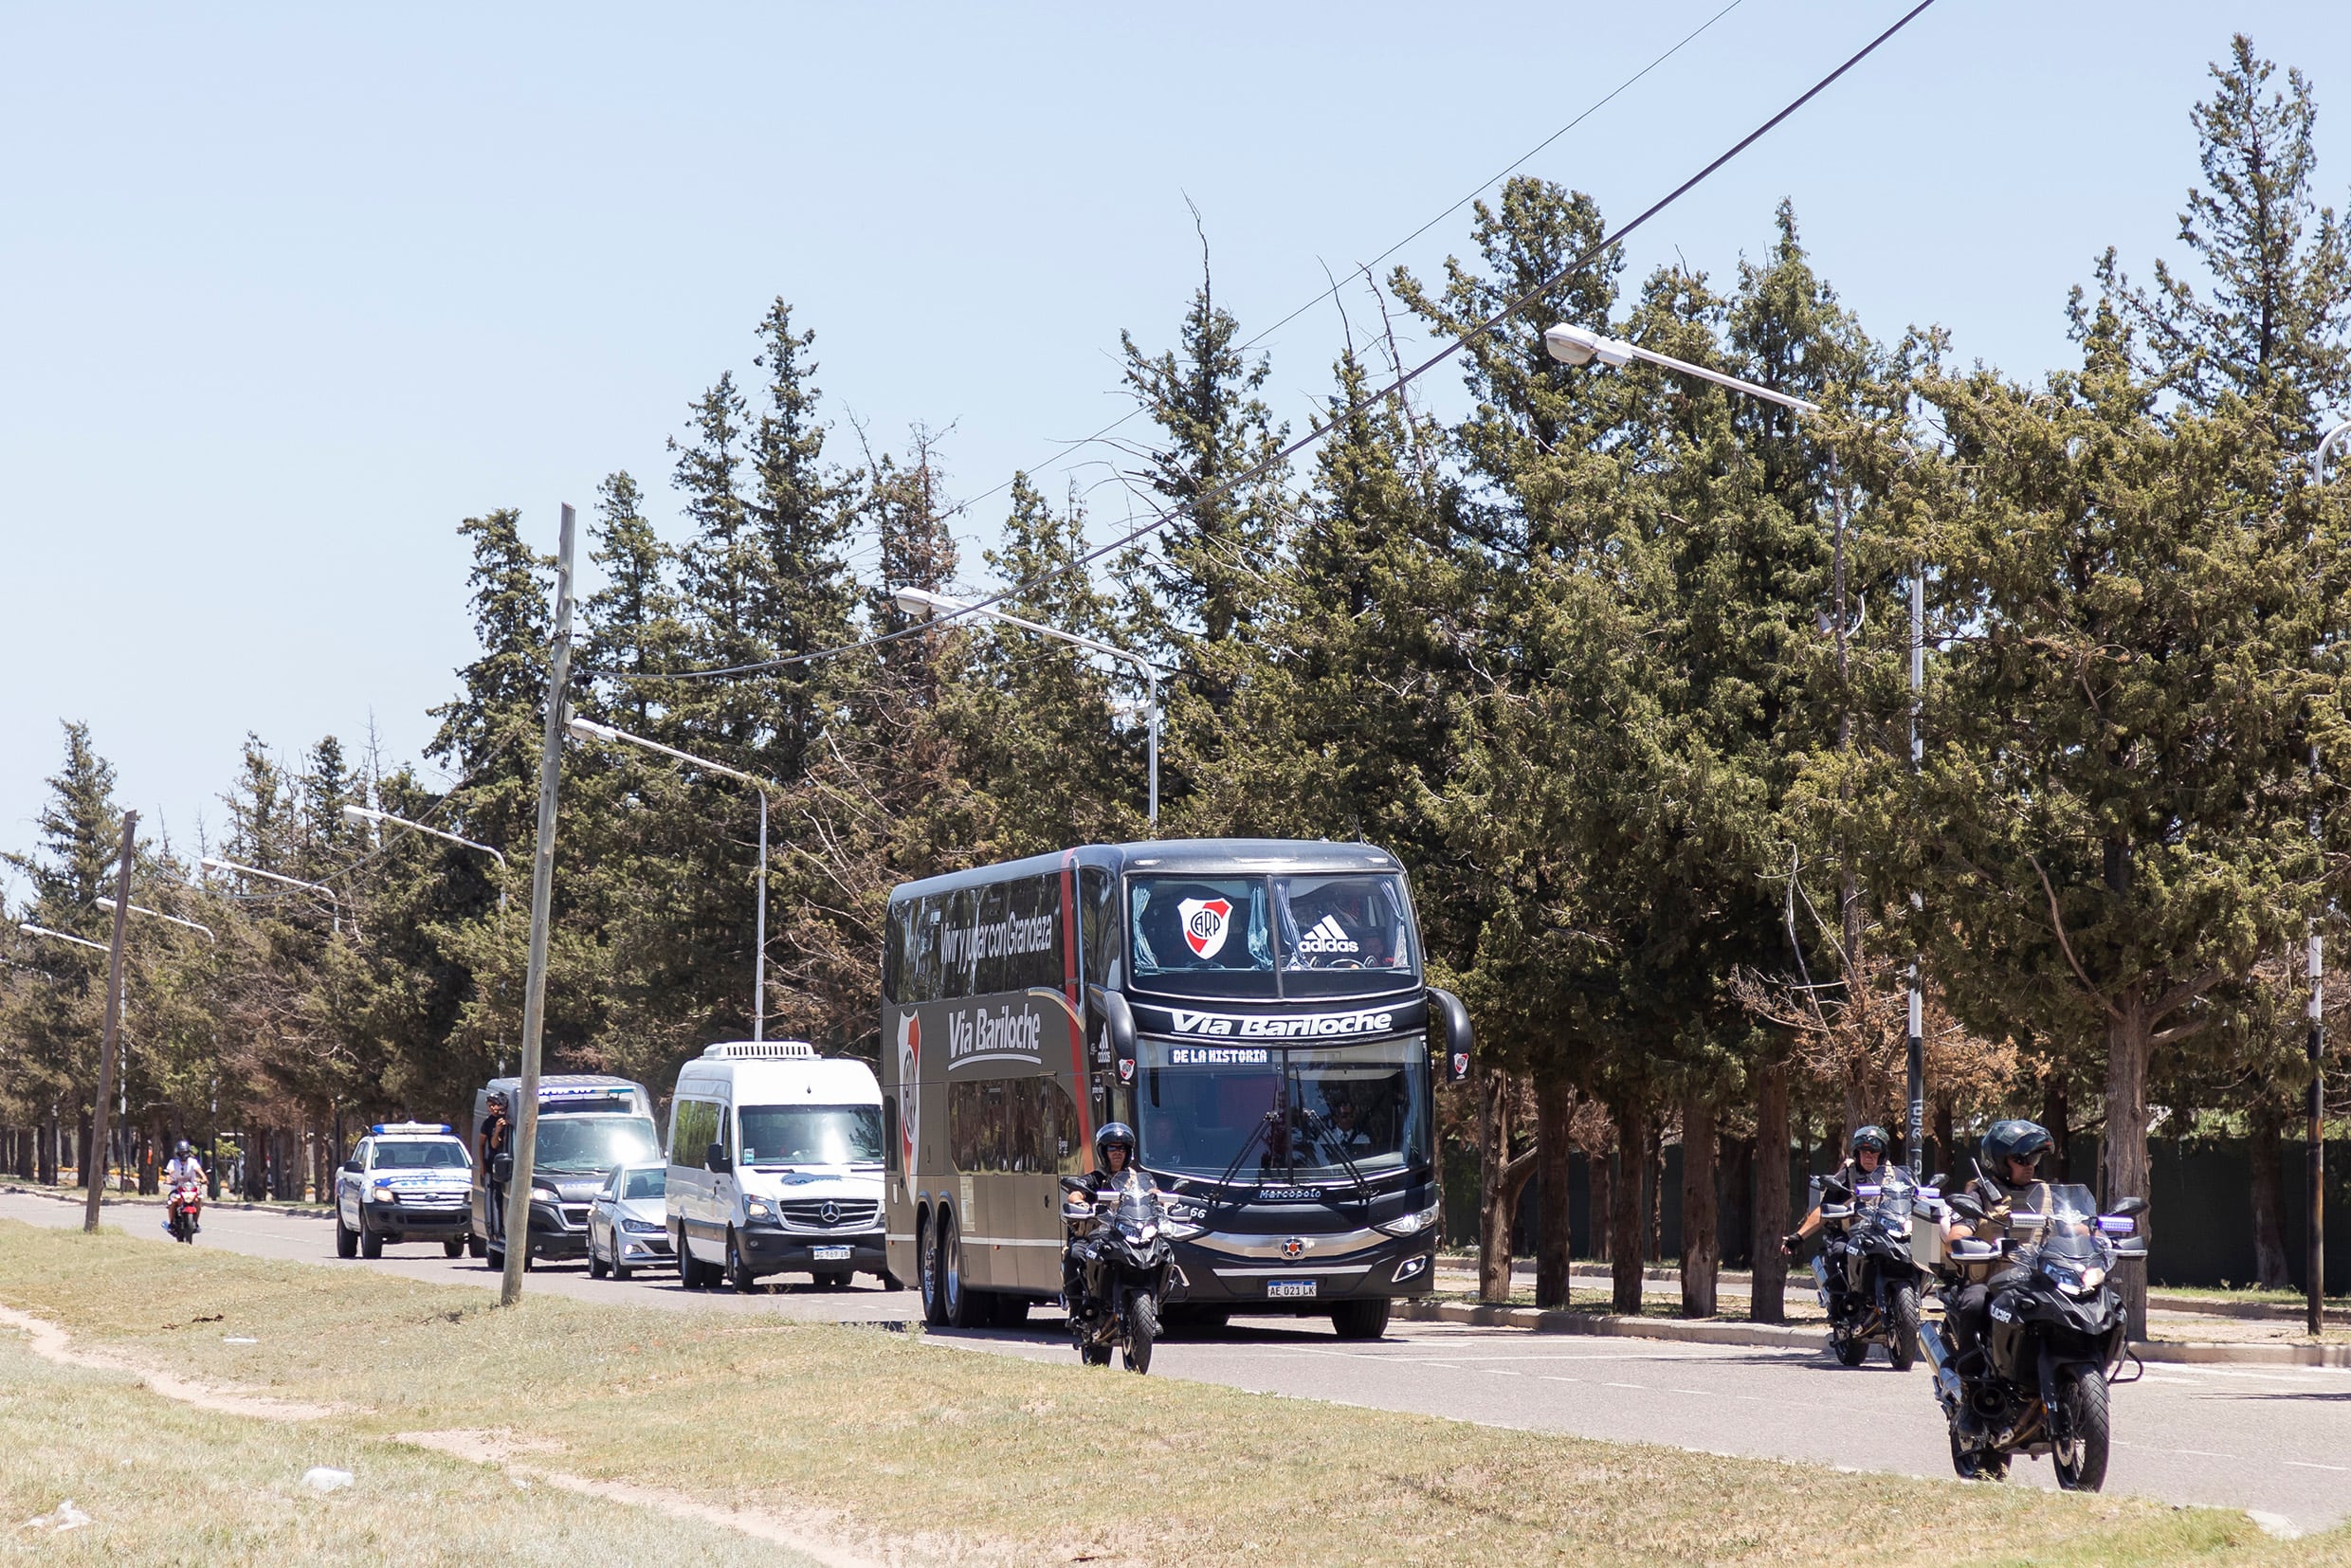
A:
922,603
587,729
210,863
1574,345
360,813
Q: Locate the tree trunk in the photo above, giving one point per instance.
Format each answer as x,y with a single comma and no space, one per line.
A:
1738,1221
1653,1194
1948,1157
1501,1179
89,1164
2266,1150
2125,1144
1599,1205
2056,1114
1769,1303
1628,1236
1700,1240
1554,1103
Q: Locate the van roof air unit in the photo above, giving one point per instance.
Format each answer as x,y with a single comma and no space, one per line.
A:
737,1051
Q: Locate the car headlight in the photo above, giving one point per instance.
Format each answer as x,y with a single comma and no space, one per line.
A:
1410,1224
640,1226
758,1208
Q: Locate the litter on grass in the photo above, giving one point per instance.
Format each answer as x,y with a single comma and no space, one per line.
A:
67,1518
319,1478
237,1340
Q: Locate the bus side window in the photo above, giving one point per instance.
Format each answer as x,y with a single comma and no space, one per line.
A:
1098,923
992,965
895,942
927,918
956,943
889,1134
1035,903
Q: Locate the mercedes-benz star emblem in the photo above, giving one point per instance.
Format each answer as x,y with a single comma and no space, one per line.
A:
830,1212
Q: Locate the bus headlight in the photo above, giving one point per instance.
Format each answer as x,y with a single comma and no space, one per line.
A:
1410,1224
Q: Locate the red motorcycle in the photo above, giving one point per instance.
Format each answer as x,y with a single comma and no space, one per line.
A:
187,1208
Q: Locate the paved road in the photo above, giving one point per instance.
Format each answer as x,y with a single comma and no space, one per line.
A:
2277,1440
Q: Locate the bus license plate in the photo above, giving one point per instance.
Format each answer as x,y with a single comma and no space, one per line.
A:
1279,1288
829,1254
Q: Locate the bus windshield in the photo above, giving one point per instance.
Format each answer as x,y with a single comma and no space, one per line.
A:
1267,937
1319,1114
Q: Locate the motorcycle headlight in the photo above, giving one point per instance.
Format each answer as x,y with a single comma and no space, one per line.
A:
1151,1230
1410,1224
2093,1278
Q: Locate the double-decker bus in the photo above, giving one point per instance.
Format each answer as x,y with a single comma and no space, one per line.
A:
1257,1009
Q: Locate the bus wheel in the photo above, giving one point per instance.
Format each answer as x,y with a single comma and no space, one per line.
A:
926,1252
1361,1320
959,1308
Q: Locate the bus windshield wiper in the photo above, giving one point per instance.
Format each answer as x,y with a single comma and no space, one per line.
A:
1338,1147
1241,1154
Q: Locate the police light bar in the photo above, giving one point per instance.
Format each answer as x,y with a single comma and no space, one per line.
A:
400,1129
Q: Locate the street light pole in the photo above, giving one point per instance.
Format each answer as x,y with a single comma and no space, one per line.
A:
108,905
112,1040
921,601
587,729
1574,345
2314,1304
518,1222
214,863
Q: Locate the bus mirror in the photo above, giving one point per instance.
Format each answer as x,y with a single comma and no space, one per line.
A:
1118,1029
1452,1020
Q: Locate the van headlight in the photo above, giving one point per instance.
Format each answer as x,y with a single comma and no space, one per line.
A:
1410,1224
754,1208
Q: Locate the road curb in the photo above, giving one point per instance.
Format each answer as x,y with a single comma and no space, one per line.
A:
1556,1321
135,1200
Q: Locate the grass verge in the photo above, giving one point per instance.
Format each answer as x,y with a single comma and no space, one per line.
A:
939,1454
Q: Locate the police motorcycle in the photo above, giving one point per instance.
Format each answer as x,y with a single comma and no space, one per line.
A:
1865,1276
2056,1340
1123,1261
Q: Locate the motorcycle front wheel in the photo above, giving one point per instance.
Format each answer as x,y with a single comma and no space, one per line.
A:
1902,1326
1143,1329
1978,1464
1849,1351
2081,1459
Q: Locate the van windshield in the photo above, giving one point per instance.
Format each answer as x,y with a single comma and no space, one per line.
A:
812,1135
593,1143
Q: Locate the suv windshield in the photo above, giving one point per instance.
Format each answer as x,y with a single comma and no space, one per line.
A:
593,1143
812,1135
1266,937
439,1153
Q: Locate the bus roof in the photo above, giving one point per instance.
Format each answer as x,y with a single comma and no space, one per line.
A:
1181,856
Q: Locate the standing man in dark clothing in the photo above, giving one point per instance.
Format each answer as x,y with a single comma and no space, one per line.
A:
494,1139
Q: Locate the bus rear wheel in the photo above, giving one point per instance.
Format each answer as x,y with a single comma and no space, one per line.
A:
927,1254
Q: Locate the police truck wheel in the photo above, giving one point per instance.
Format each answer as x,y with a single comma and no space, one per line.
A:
455,1247
1361,1320
1902,1323
495,1257
479,1248
371,1244
346,1239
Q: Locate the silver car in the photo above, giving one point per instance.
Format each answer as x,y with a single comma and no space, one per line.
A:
625,1227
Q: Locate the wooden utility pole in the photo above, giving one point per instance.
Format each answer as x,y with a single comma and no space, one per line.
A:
96,1179
542,889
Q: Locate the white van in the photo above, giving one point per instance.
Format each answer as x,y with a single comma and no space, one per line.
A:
775,1166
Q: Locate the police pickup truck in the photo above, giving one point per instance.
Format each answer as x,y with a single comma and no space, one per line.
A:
406,1181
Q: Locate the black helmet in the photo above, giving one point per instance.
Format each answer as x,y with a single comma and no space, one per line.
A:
1113,1132
183,1150
2015,1139
1872,1138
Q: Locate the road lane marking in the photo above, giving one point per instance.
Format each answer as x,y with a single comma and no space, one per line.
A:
2307,1465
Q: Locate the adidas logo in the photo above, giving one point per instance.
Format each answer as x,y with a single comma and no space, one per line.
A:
1328,936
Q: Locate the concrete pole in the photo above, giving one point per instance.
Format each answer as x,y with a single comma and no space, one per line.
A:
112,1041
1914,1127
758,965
518,1236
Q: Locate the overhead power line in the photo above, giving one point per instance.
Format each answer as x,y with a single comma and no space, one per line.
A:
1276,459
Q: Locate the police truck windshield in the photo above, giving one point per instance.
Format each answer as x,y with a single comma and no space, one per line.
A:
1273,937
812,1135
440,1153
593,1143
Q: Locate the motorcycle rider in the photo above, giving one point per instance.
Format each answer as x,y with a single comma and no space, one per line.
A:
183,1167
1113,1151
1864,1164
2008,1183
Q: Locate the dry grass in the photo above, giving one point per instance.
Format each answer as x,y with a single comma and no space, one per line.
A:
962,1455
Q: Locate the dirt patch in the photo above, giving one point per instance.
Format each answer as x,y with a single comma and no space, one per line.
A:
52,1344
811,1533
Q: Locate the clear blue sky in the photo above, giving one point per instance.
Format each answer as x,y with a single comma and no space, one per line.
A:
285,293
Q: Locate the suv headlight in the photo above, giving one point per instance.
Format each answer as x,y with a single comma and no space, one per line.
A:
1410,1224
381,1191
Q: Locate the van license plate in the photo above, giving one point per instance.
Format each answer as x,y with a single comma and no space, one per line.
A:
1279,1288
829,1254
